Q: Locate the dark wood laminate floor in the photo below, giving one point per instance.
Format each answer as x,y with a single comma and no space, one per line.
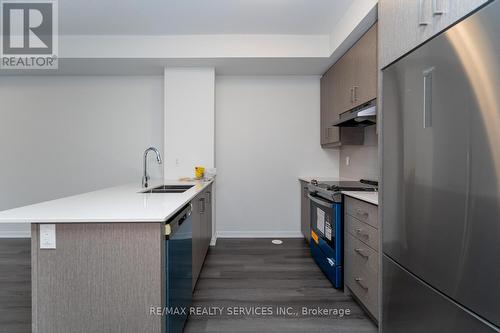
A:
15,285
253,273
246,273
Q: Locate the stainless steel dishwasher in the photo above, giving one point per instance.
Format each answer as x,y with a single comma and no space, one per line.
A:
178,252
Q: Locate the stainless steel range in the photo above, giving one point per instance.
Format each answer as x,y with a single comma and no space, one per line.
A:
327,224
331,190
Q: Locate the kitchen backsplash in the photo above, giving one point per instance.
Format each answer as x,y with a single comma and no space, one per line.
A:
363,160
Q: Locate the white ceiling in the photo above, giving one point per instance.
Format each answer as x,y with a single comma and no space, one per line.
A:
237,37
181,17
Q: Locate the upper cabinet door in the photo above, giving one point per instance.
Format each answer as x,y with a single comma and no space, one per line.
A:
405,24
329,114
401,24
344,74
446,12
365,67
324,110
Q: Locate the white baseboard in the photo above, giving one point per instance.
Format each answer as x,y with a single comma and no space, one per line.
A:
259,234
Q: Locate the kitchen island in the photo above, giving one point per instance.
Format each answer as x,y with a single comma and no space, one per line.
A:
98,264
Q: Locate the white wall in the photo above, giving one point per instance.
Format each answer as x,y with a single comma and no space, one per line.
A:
267,135
363,160
66,135
189,120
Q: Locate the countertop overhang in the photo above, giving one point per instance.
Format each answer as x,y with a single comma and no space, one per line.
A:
370,197
123,203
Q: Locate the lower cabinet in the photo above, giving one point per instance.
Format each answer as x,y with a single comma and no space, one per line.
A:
202,229
361,252
305,224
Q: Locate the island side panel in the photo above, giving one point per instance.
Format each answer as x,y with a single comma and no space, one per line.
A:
34,267
102,277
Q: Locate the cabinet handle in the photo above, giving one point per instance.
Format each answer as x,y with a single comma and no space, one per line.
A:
201,205
437,7
360,232
352,94
361,253
355,89
359,281
209,197
421,13
361,213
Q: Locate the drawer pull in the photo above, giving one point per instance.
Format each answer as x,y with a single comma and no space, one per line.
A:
360,232
362,253
359,212
359,281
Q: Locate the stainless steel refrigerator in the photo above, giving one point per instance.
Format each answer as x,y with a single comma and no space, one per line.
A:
441,182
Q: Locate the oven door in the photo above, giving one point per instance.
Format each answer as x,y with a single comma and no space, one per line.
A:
326,238
327,224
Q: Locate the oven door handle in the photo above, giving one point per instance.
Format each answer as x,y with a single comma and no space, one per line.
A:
320,202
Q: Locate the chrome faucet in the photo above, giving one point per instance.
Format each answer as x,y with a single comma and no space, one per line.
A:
145,177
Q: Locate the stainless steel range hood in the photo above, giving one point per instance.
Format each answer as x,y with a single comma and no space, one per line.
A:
362,117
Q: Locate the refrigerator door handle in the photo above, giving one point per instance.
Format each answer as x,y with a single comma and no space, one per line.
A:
428,97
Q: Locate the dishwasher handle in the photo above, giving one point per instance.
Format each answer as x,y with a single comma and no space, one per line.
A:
187,214
174,223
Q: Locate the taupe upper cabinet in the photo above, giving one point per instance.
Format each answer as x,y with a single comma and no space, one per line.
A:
329,134
405,24
349,83
365,62
355,74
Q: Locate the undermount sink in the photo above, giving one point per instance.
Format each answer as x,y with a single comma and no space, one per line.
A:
169,189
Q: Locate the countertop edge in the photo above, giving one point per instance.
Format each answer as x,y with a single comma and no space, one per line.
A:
363,196
14,220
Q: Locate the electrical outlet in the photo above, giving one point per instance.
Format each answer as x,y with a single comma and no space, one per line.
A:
47,236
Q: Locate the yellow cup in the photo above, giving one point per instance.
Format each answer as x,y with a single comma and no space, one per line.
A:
199,172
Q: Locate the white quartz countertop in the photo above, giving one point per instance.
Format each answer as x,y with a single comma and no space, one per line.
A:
371,197
123,203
